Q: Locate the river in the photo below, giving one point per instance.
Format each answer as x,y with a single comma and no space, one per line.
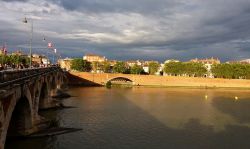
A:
149,118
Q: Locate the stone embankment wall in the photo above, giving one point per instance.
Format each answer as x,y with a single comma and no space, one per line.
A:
83,78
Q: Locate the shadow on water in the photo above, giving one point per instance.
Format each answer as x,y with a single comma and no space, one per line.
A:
78,81
120,124
238,109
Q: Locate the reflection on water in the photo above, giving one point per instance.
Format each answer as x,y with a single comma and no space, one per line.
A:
150,118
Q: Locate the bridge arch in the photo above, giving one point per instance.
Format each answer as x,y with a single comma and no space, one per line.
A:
53,82
60,80
120,80
44,95
21,118
37,94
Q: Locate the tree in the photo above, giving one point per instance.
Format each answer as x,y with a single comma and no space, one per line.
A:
95,66
223,71
180,68
24,60
80,65
195,69
174,68
136,69
14,59
120,67
106,67
153,67
5,59
231,71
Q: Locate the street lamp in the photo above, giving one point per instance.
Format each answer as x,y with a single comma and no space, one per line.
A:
31,37
47,53
54,54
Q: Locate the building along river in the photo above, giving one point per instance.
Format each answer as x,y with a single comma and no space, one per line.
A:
149,118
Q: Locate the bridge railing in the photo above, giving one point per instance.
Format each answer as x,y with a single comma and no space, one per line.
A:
11,75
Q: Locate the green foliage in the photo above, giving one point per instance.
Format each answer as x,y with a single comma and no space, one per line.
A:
80,65
108,84
5,59
174,68
153,67
105,67
231,71
136,69
120,67
25,60
95,66
180,68
195,69
14,59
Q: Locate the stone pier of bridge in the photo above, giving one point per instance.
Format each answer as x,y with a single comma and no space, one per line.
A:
22,94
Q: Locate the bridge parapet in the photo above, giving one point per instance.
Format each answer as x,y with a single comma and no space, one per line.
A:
13,75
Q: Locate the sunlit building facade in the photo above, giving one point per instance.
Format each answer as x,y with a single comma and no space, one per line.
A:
94,58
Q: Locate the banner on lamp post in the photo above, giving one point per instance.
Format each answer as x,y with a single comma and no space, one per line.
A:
50,45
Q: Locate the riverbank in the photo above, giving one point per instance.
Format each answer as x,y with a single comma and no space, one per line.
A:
91,79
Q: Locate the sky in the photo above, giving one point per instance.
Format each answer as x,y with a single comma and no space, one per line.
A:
130,29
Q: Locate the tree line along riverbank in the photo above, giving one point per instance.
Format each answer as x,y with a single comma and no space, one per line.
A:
172,68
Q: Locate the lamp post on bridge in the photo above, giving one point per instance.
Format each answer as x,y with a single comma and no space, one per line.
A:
48,46
54,53
56,56
31,38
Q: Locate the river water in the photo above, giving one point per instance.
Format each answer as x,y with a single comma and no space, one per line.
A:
150,118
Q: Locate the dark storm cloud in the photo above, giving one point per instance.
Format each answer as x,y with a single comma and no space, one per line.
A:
131,29
15,0
95,6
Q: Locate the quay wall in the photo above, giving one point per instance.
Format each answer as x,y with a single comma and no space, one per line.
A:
84,78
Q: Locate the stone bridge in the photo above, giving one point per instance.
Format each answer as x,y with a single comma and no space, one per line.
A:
22,94
84,78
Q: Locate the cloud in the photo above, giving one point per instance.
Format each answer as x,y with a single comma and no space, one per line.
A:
148,29
15,0
100,6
